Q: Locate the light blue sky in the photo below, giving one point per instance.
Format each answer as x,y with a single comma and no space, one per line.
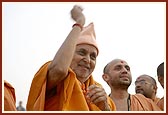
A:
33,32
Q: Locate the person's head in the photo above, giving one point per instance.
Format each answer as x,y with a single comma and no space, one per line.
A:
117,74
84,59
20,103
146,85
160,74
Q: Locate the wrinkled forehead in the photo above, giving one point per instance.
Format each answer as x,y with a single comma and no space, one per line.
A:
87,47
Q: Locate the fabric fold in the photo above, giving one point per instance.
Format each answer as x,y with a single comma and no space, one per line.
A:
9,97
69,94
141,103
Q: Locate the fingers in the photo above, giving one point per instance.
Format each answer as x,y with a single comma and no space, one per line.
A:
96,94
78,7
77,15
75,12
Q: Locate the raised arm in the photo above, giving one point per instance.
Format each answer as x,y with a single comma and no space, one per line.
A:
58,69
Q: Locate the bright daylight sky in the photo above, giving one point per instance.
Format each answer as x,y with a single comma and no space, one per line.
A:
33,32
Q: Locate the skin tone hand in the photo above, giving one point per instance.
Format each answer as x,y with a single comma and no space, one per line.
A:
98,96
77,15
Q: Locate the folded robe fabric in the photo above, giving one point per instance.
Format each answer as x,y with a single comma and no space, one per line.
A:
9,97
156,100
69,95
140,103
161,103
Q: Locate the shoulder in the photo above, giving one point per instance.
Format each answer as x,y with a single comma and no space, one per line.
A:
6,84
146,103
138,96
161,102
9,89
141,97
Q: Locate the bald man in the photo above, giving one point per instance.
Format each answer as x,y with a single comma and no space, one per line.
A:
117,74
146,85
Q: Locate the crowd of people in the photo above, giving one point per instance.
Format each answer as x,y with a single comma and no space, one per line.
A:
66,83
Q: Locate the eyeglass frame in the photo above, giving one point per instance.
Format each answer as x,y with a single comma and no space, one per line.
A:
142,82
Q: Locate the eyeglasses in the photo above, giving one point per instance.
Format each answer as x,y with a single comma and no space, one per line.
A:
141,82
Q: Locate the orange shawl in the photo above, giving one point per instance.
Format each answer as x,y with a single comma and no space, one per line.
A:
69,95
141,103
9,97
156,100
161,103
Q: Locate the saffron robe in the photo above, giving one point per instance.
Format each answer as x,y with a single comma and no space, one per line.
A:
156,100
9,97
161,103
140,103
68,96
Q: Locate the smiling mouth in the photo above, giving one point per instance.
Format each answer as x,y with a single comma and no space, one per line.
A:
84,66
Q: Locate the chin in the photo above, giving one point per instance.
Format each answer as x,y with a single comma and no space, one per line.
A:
82,76
126,82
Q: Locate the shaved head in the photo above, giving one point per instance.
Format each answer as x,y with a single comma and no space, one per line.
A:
152,80
113,62
117,74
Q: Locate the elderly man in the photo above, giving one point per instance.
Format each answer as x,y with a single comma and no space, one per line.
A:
66,83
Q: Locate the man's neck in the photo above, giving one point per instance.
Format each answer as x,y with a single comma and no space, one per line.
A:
121,99
119,94
154,98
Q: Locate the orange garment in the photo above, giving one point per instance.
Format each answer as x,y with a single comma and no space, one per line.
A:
161,103
9,97
69,94
140,103
156,100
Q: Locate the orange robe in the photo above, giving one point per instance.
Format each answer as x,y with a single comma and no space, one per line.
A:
161,103
156,100
69,95
9,97
140,103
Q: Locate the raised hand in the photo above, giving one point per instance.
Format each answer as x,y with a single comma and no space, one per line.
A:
77,15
